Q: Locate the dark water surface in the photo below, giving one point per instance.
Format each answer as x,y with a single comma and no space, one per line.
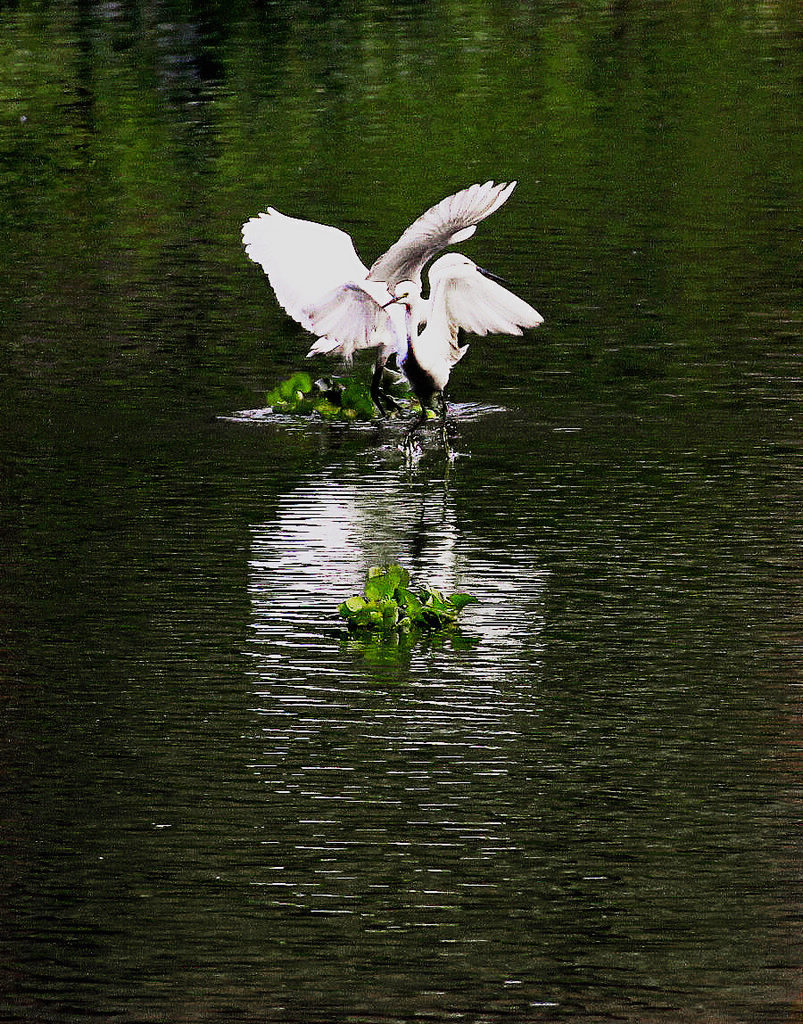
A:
583,806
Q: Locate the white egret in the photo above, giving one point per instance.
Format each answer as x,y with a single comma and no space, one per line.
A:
462,296
322,283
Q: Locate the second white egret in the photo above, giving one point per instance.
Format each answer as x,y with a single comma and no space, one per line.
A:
464,297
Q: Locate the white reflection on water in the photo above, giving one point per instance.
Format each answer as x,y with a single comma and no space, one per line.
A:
329,530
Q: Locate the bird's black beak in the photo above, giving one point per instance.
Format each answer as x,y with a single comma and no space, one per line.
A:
390,303
493,277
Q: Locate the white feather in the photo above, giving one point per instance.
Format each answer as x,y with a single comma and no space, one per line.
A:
452,220
474,303
352,317
304,261
462,297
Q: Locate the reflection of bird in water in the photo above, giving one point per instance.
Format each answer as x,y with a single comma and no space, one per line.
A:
316,550
462,296
326,531
321,282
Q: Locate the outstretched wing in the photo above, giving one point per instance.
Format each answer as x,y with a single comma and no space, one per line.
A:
352,317
304,261
481,306
452,220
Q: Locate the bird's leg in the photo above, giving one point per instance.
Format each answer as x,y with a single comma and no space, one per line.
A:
376,381
408,440
444,433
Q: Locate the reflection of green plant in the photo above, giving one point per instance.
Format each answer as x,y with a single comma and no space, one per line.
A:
394,649
388,605
339,398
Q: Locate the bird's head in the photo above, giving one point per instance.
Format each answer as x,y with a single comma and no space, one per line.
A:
455,266
406,293
452,265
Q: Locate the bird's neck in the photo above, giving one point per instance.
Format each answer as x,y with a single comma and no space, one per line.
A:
438,315
410,325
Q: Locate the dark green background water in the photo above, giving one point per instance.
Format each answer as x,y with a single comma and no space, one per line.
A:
215,806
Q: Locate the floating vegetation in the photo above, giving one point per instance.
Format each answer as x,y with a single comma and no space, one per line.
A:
388,605
341,398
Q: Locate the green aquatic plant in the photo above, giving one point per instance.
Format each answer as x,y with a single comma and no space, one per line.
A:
340,398
388,605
